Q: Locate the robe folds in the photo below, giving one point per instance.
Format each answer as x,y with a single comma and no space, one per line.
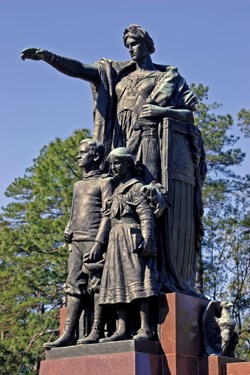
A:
182,168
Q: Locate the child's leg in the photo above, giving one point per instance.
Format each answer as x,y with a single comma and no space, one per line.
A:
122,316
144,332
121,332
144,314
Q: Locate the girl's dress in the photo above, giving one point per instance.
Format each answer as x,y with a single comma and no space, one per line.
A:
127,275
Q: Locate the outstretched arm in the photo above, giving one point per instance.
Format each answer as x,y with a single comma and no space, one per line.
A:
70,67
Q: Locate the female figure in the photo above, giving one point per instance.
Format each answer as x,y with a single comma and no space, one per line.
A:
127,91
131,100
130,273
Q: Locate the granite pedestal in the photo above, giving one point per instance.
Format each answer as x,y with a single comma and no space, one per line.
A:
179,352
118,358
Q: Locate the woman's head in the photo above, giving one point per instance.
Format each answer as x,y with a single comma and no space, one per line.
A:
137,32
121,161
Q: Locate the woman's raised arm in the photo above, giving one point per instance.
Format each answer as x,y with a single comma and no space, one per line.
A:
65,65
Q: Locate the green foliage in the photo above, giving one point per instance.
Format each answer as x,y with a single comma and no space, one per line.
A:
244,121
33,263
221,152
224,264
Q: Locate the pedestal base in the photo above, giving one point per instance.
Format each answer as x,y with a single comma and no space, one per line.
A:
121,357
215,365
179,352
241,368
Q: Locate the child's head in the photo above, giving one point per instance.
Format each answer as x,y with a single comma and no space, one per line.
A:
120,161
90,152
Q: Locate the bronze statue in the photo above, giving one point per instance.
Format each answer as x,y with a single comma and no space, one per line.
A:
138,89
140,105
87,236
130,271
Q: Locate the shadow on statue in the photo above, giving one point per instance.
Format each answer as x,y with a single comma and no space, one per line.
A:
135,231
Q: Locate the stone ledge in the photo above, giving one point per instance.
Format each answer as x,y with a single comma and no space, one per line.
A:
149,347
130,363
240,368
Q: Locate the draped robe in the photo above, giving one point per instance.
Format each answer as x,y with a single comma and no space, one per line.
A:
179,230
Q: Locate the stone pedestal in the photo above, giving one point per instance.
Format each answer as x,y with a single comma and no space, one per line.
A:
241,368
63,313
217,365
179,352
180,332
122,357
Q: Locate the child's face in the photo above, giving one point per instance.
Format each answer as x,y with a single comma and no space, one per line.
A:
118,166
85,155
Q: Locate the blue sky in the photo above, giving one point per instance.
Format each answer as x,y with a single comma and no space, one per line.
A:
207,40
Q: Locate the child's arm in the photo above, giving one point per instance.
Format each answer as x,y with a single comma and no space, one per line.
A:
145,214
101,239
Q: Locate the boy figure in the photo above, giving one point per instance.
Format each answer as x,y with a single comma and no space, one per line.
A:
87,236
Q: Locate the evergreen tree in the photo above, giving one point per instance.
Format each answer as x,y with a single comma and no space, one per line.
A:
33,263
224,263
244,121
33,256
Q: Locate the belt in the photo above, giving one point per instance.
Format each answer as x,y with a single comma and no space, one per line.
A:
124,220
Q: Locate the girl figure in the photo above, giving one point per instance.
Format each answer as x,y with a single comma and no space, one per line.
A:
131,100
130,272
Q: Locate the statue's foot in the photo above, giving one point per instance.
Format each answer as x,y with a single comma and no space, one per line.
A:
64,340
92,338
117,336
143,335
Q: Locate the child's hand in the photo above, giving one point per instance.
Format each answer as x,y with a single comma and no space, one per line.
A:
68,236
96,252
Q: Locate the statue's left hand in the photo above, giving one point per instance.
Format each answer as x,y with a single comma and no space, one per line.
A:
96,252
150,192
157,200
152,110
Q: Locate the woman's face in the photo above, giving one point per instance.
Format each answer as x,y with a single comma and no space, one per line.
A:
118,166
137,48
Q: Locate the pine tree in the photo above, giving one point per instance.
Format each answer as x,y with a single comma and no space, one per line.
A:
244,121
33,263
33,256
224,263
